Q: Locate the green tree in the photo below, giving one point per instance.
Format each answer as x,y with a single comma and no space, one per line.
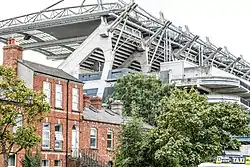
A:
144,91
190,130
18,105
131,139
31,160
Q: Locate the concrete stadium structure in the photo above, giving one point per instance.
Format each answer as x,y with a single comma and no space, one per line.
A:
104,41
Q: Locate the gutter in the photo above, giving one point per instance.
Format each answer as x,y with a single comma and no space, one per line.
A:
67,123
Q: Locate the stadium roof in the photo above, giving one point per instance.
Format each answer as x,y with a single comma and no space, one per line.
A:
56,33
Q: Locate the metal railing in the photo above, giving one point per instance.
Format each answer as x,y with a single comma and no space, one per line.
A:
204,80
89,157
227,98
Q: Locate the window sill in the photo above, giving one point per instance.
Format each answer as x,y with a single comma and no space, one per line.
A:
58,150
93,148
75,111
46,149
58,108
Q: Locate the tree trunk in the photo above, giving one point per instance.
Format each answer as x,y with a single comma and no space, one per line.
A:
5,155
6,159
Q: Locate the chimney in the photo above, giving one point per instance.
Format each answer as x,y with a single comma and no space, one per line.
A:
96,102
86,101
117,107
11,54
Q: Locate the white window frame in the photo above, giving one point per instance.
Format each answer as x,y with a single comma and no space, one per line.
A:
19,122
14,161
75,99
46,130
58,103
60,163
46,161
47,91
58,137
93,135
111,140
75,141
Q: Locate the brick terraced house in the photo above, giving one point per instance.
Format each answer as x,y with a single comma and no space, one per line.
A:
76,125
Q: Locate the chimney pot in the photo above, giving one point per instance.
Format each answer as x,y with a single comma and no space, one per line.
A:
117,107
11,41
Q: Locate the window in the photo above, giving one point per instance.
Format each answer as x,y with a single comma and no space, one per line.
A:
75,99
19,122
75,141
91,92
58,137
93,138
45,163
57,163
109,140
47,91
46,136
58,96
12,161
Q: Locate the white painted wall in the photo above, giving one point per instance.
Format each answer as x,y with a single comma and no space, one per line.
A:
197,72
26,75
175,68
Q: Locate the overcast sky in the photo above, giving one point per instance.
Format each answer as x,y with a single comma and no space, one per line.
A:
225,22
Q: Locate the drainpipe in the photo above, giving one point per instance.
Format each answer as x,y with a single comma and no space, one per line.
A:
67,123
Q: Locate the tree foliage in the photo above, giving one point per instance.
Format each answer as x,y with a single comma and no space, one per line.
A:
190,130
17,100
31,160
144,91
131,138
187,132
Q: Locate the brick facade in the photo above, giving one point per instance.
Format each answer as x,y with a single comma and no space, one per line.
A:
12,53
65,116
102,129
59,116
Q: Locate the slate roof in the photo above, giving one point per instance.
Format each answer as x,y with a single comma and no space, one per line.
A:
49,70
105,116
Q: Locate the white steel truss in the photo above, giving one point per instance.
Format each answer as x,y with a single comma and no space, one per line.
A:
131,28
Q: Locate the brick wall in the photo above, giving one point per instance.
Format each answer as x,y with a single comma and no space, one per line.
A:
102,129
58,116
11,54
38,86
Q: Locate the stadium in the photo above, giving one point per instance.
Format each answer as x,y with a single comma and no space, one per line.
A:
102,42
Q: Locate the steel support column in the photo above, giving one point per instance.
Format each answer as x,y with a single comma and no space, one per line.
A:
120,18
233,63
211,56
188,44
151,39
244,76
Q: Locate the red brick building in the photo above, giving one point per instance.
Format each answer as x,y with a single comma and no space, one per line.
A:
76,126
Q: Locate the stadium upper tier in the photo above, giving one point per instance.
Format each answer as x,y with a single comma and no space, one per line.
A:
58,33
